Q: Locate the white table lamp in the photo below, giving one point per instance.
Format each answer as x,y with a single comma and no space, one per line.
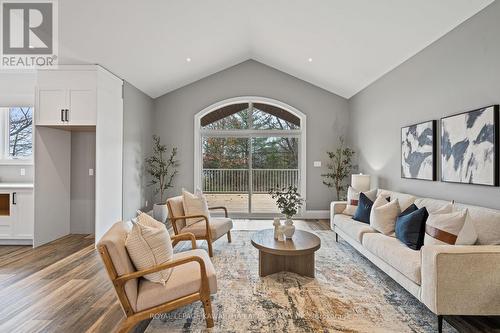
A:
360,182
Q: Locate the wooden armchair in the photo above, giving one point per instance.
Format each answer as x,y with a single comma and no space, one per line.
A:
209,229
192,279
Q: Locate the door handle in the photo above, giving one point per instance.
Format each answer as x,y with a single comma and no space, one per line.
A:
66,115
14,198
62,114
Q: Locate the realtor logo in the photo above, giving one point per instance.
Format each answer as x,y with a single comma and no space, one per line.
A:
29,33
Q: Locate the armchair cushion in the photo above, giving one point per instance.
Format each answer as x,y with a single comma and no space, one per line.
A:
150,246
194,204
218,227
184,280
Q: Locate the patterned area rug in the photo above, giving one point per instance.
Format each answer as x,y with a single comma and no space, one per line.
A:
349,294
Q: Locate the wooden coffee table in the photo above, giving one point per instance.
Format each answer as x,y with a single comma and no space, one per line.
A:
293,255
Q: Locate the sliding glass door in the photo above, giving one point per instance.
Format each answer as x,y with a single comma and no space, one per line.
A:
247,149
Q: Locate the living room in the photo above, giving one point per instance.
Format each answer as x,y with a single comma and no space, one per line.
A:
250,166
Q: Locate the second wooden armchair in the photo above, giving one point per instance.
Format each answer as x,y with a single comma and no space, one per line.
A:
209,229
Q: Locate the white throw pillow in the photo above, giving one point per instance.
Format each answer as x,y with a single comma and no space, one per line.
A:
150,246
194,204
468,235
442,229
147,220
384,214
353,199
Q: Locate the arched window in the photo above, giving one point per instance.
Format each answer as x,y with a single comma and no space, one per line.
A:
246,147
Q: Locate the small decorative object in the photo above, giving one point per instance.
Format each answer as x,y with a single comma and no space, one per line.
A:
276,225
339,168
360,182
288,201
162,172
418,151
289,228
281,235
469,147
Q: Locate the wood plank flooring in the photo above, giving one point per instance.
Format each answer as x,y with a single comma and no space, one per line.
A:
62,287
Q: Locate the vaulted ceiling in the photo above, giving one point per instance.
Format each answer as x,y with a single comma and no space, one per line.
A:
339,45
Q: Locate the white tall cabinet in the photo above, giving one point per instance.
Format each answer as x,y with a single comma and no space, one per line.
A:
76,98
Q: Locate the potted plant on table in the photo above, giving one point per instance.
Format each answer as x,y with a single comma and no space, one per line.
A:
289,201
162,171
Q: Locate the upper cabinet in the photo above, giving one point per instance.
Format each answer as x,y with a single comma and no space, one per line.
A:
67,97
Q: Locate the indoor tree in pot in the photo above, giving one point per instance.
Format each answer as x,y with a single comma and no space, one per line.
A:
339,168
162,173
288,201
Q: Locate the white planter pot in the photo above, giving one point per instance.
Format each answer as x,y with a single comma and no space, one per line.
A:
160,212
289,229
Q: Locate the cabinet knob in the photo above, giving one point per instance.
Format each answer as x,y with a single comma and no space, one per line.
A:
14,198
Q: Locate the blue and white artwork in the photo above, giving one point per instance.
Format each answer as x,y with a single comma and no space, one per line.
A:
469,147
418,151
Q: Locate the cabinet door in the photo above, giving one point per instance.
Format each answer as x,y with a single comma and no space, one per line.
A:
7,214
50,103
82,107
23,224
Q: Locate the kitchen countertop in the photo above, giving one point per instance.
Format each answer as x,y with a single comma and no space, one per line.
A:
16,185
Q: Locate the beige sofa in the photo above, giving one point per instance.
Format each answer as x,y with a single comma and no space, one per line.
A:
448,279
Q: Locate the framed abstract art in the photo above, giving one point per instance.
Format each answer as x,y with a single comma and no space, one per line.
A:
469,147
418,151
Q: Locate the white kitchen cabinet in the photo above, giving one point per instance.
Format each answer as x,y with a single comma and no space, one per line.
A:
67,97
93,98
16,214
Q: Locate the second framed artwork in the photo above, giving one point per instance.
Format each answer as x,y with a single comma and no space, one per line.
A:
469,147
418,151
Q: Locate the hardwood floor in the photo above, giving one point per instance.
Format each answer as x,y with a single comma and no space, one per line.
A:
62,287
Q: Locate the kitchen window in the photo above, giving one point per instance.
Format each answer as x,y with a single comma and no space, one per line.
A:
16,127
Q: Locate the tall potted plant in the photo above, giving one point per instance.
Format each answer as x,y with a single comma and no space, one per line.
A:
289,201
162,171
339,168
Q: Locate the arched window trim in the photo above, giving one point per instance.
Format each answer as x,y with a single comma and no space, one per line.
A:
301,133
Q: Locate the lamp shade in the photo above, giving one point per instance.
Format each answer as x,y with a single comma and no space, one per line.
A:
360,182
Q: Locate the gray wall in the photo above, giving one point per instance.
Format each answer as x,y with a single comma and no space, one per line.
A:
459,72
137,132
82,184
327,117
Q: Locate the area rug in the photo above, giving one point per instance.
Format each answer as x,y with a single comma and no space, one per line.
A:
349,294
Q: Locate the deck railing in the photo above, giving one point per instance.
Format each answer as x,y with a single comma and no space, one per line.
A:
237,180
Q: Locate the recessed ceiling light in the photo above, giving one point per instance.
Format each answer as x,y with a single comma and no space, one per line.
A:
310,59
188,59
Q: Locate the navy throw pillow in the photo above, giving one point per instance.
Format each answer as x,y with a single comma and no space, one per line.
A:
410,226
362,213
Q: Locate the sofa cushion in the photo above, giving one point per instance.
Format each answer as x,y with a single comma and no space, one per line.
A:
218,227
396,254
441,229
405,200
433,205
486,223
363,210
353,228
384,214
353,199
410,226
184,280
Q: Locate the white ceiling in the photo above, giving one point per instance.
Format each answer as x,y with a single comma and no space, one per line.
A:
351,43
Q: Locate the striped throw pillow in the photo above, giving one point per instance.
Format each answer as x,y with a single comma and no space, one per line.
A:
150,246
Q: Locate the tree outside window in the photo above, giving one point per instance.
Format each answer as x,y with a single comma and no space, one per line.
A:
20,132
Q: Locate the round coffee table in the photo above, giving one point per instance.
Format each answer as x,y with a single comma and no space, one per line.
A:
293,255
